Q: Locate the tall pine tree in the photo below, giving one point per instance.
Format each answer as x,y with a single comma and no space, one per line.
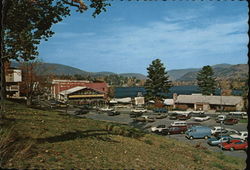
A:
206,80
158,80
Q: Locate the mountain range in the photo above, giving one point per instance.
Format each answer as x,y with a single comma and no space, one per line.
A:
225,71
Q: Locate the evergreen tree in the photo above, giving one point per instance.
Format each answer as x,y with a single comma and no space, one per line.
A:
158,80
206,80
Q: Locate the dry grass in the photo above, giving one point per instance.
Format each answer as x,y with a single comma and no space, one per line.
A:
52,140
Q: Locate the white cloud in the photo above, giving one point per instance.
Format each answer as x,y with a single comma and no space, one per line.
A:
168,39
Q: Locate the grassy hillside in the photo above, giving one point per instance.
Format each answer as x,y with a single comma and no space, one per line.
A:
32,138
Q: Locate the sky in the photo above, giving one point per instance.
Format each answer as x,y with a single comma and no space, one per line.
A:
130,35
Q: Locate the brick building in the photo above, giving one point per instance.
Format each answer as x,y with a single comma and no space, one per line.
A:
59,86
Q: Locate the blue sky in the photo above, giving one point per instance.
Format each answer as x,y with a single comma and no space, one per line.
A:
126,38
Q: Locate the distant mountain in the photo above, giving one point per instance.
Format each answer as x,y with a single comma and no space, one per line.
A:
60,69
136,75
226,71
222,71
176,74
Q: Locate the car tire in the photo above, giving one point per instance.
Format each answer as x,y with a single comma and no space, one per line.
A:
168,133
206,137
191,137
231,149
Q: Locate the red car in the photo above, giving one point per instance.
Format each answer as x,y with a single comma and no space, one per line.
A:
230,121
174,130
235,144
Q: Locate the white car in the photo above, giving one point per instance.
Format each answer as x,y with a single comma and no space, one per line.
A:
201,119
220,118
217,129
158,128
106,109
242,135
179,123
139,110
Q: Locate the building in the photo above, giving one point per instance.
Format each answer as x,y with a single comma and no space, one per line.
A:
61,85
13,77
202,102
82,95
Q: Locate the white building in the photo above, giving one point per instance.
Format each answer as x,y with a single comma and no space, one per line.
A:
13,77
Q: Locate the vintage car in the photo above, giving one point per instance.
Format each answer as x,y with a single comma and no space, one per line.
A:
230,121
201,118
235,145
173,116
183,116
242,135
139,110
218,140
160,110
218,129
174,130
220,118
158,128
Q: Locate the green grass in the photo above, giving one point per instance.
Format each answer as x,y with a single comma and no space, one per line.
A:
243,121
31,138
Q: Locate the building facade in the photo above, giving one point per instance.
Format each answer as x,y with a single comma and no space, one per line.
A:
13,77
206,103
60,86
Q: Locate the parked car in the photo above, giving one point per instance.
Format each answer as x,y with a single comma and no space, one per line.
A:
139,110
193,124
144,119
242,135
218,140
230,121
174,130
198,132
173,116
202,118
184,117
106,109
220,118
218,129
235,145
179,123
228,132
134,115
113,113
161,116
158,128
238,115
160,110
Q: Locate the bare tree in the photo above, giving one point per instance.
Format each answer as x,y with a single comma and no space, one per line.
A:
35,79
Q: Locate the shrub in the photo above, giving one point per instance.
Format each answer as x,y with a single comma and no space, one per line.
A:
197,158
148,142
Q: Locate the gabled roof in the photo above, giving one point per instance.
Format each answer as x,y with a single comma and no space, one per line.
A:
75,89
218,100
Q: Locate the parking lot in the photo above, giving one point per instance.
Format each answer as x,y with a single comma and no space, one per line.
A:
124,118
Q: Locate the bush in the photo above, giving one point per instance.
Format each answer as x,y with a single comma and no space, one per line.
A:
148,142
124,131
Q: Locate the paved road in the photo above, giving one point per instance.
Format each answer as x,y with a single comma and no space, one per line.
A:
125,119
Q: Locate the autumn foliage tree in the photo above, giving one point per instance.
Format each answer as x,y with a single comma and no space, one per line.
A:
35,79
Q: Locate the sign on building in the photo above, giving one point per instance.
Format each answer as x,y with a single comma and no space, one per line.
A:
139,101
